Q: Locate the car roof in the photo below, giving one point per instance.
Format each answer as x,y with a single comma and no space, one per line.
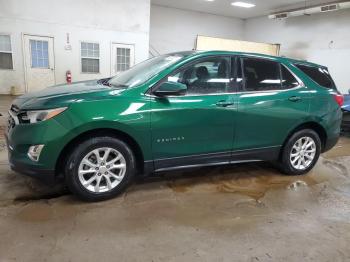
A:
256,55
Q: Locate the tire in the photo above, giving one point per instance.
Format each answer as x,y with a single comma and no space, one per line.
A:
103,178
292,149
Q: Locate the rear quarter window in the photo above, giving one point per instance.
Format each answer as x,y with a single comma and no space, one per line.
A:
318,74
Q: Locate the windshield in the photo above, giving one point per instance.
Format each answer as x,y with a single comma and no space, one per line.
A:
142,72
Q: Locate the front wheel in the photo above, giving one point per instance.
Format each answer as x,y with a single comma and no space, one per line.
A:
100,168
301,152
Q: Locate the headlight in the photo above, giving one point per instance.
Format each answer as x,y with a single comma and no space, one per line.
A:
41,115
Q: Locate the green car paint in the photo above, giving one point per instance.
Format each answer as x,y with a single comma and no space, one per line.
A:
248,125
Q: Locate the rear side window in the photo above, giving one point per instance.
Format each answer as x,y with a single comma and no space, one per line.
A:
261,75
288,80
320,75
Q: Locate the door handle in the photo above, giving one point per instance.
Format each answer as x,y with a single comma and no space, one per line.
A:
294,98
224,103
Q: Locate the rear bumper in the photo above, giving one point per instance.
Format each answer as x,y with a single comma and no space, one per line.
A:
330,143
345,126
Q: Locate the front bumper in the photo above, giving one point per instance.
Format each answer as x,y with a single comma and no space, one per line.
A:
45,175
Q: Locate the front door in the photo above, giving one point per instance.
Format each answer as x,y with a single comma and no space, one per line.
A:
198,127
39,62
123,57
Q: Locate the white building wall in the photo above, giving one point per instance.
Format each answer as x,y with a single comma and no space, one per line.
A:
321,38
104,22
176,29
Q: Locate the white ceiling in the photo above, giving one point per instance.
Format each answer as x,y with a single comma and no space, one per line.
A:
224,7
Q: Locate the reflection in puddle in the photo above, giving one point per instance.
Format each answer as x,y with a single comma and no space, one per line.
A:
295,185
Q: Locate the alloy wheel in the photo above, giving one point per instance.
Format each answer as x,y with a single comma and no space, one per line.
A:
102,169
303,153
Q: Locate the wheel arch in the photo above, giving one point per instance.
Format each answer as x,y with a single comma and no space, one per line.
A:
111,132
319,129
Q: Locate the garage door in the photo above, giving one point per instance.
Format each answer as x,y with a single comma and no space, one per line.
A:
214,43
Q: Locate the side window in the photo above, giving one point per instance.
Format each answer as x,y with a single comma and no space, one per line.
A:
5,52
318,74
261,75
209,76
288,80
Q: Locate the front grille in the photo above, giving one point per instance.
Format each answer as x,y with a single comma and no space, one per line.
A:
13,117
10,123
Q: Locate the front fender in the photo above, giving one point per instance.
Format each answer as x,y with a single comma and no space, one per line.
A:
130,116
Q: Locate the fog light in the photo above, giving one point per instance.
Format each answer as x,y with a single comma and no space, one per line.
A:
34,152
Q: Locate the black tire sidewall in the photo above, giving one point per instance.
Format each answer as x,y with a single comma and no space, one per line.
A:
286,165
81,150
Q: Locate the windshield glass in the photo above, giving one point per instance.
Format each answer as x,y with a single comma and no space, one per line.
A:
142,72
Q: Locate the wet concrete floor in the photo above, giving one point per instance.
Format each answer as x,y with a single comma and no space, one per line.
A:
245,212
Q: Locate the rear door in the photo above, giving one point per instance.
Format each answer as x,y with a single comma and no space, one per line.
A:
196,128
272,101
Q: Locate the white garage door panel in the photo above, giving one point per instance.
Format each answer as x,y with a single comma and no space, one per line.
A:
214,43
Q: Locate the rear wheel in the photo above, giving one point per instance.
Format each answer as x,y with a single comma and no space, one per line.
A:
100,168
301,152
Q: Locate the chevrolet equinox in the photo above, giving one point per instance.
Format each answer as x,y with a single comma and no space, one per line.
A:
180,110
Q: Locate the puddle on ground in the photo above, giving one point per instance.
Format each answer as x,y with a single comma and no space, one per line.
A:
254,180
41,211
36,212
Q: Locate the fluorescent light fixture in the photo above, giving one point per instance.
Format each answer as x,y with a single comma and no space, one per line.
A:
209,0
243,4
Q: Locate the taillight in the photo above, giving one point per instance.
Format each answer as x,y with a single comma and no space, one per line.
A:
339,99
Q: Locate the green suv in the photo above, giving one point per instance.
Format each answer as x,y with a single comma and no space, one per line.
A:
180,110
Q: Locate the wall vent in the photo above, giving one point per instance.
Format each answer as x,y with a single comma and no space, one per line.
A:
311,10
281,16
328,8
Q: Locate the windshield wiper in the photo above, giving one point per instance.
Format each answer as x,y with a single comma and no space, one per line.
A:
118,85
104,81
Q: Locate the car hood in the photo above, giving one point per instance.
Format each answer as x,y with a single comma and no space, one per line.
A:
63,95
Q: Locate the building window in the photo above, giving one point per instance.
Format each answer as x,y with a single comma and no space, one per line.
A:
39,53
90,57
5,52
123,59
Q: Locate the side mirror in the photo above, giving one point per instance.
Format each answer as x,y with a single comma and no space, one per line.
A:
170,89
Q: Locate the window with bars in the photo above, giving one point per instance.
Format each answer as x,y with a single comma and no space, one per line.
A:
90,57
123,59
5,52
39,51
